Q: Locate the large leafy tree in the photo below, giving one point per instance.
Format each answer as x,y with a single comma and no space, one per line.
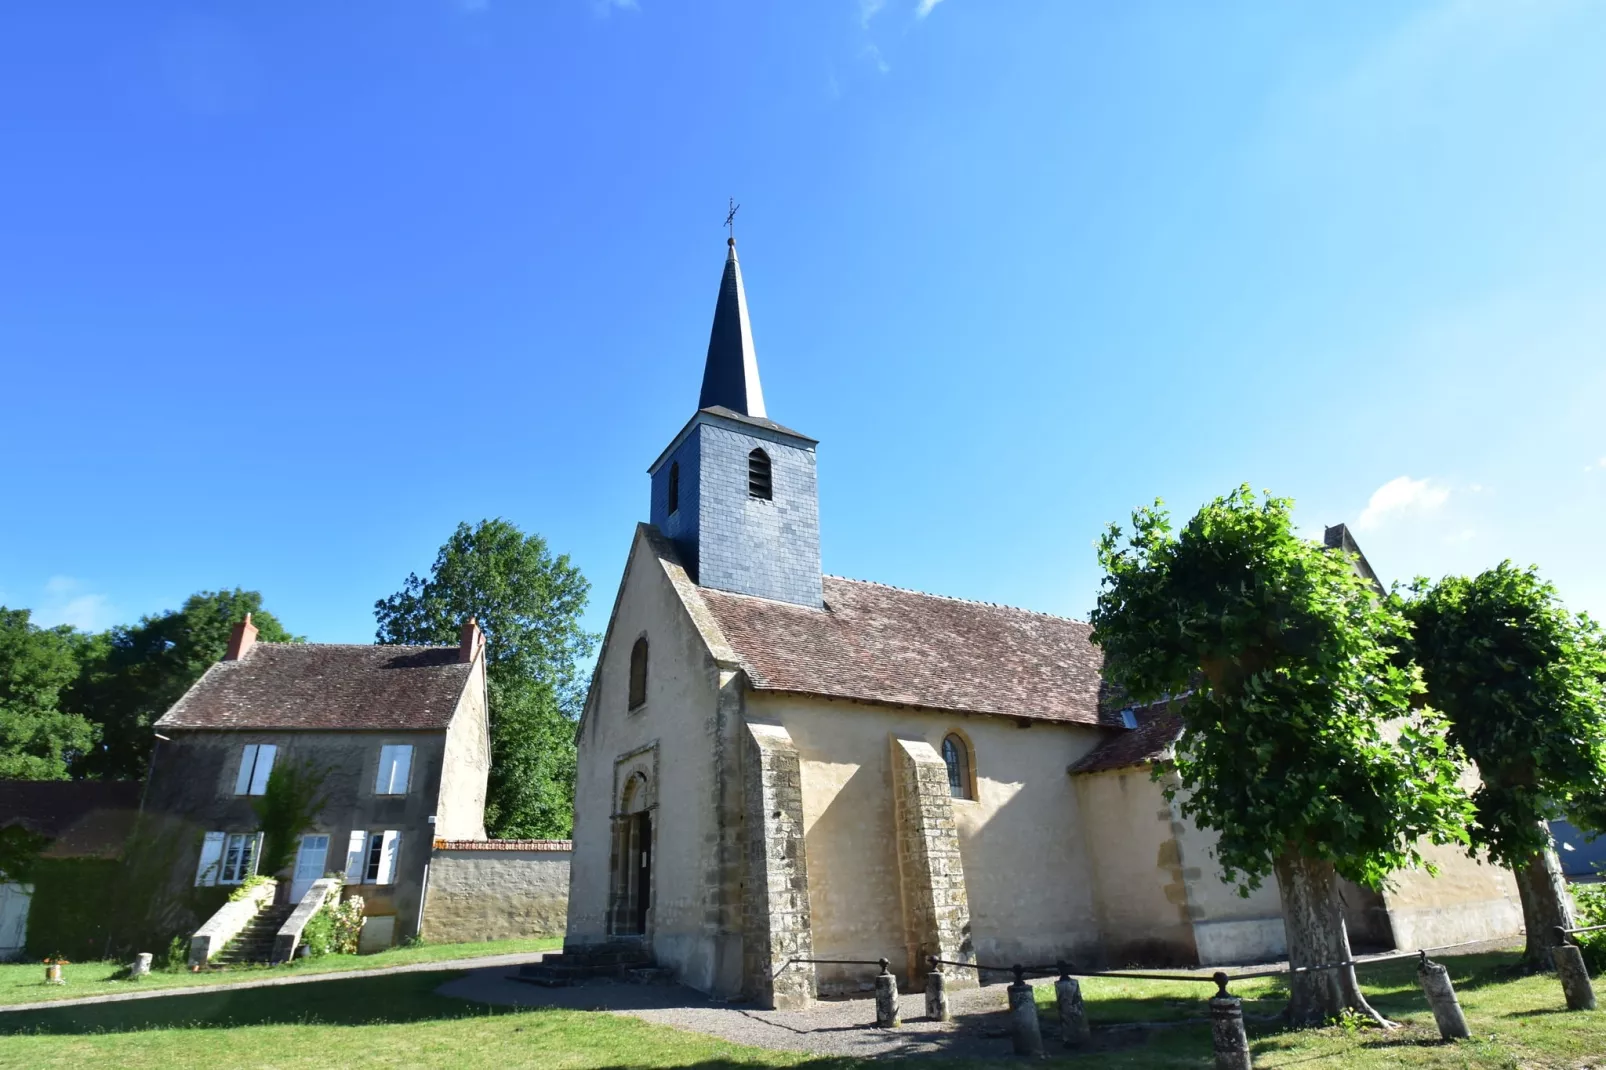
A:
40,735
528,603
1299,745
138,671
1520,679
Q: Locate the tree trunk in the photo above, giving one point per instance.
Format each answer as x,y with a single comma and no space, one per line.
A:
1313,918
1545,905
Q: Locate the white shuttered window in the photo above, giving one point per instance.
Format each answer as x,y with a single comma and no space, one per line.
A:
256,762
356,856
395,766
206,871
381,862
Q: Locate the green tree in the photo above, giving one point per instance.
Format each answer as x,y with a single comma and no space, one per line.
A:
1299,746
138,671
528,603
1520,679
40,738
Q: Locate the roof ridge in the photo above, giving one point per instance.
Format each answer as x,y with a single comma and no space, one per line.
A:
956,598
364,646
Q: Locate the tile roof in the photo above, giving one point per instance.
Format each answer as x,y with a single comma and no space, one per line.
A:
504,845
84,818
326,686
885,644
1158,728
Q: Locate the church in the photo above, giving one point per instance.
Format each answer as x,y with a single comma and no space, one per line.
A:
778,766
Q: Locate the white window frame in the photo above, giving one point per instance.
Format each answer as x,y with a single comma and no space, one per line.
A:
234,868
356,856
211,861
256,763
395,769
379,857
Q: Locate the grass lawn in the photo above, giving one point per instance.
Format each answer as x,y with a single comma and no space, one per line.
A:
399,1021
24,983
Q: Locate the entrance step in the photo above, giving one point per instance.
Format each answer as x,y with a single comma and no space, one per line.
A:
620,961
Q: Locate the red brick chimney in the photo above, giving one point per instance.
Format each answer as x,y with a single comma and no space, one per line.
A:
471,642
242,640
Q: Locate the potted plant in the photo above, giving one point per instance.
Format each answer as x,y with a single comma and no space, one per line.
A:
53,967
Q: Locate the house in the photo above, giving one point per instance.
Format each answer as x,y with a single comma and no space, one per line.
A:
52,826
779,765
398,734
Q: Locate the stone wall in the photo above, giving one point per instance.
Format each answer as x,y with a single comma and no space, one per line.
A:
936,910
496,890
776,923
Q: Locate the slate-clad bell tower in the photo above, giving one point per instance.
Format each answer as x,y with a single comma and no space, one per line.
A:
735,491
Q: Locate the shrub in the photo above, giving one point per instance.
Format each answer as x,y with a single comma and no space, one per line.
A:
335,928
1591,900
256,880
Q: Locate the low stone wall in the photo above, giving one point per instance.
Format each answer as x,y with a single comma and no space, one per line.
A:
226,924
288,938
496,890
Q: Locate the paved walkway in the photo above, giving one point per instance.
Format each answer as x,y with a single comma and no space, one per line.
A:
500,963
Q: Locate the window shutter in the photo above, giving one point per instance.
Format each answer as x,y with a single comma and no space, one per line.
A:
401,770
206,871
387,858
256,854
387,758
264,766
248,759
354,856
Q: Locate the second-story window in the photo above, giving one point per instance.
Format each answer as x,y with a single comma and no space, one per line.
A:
758,475
395,766
674,486
638,673
256,762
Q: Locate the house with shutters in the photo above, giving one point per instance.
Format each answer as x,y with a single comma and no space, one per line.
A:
398,735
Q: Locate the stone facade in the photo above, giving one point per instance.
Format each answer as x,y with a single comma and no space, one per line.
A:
936,909
776,922
496,890
769,548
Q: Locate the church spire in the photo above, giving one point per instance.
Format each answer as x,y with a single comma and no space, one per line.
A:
730,378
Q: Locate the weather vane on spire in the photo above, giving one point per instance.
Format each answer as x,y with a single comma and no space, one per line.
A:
730,218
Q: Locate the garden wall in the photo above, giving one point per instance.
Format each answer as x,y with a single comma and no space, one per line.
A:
496,890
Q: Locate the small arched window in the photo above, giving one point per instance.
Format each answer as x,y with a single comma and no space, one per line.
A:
758,475
638,673
956,756
674,486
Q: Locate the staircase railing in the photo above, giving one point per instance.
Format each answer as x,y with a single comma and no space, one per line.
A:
226,924
289,935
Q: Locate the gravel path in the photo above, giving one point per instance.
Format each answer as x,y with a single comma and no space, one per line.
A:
831,1027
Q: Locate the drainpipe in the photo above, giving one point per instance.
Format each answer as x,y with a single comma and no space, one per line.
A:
423,893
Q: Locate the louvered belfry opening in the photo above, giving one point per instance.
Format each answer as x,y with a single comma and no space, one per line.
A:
758,475
674,487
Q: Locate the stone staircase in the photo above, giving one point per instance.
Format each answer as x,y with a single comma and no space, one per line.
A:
617,960
254,945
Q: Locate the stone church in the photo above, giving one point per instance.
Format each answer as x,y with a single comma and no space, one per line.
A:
776,764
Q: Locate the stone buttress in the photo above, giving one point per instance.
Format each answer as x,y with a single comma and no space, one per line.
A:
936,909
775,916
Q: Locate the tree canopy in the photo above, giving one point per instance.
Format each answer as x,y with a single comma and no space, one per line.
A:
1299,747
135,672
528,603
41,737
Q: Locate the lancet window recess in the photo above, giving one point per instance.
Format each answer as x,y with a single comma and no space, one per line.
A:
758,476
956,756
638,674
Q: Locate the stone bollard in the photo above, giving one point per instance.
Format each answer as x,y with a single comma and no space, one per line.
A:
886,999
937,994
1227,1028
1435,979
1573,974
1023,1017
141,967
1074,1032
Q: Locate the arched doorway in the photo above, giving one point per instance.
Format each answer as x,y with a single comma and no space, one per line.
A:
632,859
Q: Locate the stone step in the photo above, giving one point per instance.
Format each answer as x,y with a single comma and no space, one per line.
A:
558,970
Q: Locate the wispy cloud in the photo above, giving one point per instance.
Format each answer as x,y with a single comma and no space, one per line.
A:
869,9
1401,496
603,8
924,8
68,601
873,54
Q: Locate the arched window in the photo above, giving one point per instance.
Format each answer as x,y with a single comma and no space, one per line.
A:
758,475
956,756
674,486
638,673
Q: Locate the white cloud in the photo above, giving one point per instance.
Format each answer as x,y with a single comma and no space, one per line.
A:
923,8
873,54
1400,496
868,9
602,8
67,601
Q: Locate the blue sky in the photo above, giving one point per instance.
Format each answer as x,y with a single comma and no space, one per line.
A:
288,290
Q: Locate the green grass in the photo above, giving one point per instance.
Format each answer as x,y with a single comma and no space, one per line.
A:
24,983
398,1020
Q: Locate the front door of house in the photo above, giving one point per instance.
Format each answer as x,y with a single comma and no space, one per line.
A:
309,864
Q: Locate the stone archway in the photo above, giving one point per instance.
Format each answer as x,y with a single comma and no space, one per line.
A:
630,912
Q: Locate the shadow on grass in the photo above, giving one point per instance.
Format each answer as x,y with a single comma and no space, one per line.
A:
398,998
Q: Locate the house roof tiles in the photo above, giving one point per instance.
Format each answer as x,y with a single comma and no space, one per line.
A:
1158,729
326,686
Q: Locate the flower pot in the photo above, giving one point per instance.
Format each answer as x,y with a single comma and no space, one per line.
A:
53,973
